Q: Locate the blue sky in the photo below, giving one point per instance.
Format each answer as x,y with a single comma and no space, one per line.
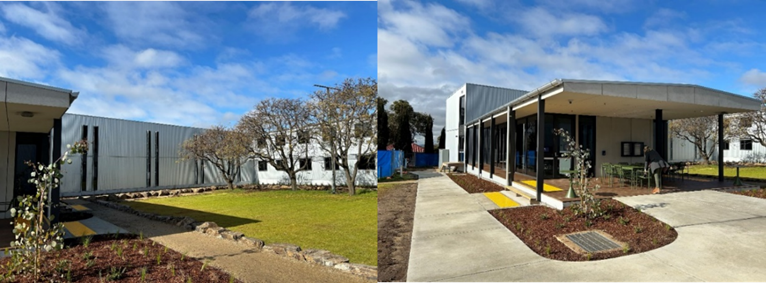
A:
186,63
427,49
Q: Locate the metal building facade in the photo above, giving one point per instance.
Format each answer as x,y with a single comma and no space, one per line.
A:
132,156
481,99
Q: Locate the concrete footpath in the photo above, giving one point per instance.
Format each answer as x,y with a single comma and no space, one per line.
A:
720,238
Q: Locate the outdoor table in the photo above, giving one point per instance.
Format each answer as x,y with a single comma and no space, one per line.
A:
570,193
633,168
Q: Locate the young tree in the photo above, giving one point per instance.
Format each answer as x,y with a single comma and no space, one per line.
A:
753,124
442,139
349,116
382,124
225,148
278,131
702,132
429,133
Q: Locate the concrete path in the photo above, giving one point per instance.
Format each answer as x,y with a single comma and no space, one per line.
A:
720,238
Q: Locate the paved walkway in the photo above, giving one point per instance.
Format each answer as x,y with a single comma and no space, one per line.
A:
242,262
720,238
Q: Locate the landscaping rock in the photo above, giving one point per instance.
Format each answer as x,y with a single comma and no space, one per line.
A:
251,242
202,227
184,221
366,271
214,231
144,194
231,235
323,257
164,192
281,249
196,190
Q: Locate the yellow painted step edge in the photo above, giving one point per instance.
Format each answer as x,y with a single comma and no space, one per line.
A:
77,229
501,200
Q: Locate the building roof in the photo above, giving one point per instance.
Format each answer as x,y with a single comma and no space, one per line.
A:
638,100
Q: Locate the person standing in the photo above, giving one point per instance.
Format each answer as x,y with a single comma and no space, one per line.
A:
654,164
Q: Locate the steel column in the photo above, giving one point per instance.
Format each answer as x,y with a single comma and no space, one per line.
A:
720,147
510,164
540,146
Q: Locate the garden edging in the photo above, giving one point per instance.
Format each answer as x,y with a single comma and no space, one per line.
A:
312,256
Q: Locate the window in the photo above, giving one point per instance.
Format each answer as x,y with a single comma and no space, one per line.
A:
279,140
366,162
462,110
328,163
305,163
460,143
303,136
725,145
261,142
746,144
280,165
262,165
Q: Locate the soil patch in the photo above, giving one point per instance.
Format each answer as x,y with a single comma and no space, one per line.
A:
758,193
538,226
396,210
472,184
122,258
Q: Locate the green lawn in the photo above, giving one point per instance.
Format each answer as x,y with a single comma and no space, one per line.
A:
746,172
340,223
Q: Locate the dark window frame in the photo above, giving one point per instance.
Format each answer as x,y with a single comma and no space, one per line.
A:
366,162
746,144
328,163
305,161
263,165
304,136
726,145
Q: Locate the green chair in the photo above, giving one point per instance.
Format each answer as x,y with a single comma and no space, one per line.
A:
628,177
645,177
605,172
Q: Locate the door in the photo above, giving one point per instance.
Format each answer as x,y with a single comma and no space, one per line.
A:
587,133
32,147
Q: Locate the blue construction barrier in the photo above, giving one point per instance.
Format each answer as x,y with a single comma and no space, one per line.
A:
388,162
426,159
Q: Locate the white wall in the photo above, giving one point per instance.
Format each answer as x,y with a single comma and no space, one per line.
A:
451,127
7,167
611,132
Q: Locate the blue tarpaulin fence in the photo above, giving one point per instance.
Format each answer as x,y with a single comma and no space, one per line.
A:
388,162
426,159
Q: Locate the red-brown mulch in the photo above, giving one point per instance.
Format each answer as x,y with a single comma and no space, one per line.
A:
472,184
104,261
538,226
758,193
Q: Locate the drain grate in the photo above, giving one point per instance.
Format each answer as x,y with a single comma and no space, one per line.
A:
592,242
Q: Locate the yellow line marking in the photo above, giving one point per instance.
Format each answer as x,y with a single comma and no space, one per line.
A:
79,207
501,200
546,187
78,229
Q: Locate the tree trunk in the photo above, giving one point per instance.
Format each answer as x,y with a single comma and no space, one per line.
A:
350,184
230,183
294,181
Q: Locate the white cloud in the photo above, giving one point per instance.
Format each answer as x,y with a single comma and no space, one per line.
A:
754,77
47,24
123,57
541,22
152,23
279,21
430,25
480,4
23,58
663,17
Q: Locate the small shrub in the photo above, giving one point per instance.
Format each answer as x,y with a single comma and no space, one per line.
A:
203,265
559,225
654,241
588,223
183,255
86,241
668,227
544,216
159,258
626,249
90,263
638,229
62,265
548,250
115,273
623,221
143,274
87,255
566,219
588,256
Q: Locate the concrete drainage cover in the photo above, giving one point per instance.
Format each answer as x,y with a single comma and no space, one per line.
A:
594,241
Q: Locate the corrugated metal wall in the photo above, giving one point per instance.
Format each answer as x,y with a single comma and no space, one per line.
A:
122,156
481,99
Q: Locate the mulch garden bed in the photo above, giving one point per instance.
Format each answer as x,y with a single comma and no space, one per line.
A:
538,226
121,258
472,184
759,193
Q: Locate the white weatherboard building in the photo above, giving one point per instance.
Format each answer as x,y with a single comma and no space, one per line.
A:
499,132
123,156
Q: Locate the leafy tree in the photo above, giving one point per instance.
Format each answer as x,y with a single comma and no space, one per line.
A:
278,131
403,114
383,136
349,116
702,132
753,124
429,133
442,139
225,148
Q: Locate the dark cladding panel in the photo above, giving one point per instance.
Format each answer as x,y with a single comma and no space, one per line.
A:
481,100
